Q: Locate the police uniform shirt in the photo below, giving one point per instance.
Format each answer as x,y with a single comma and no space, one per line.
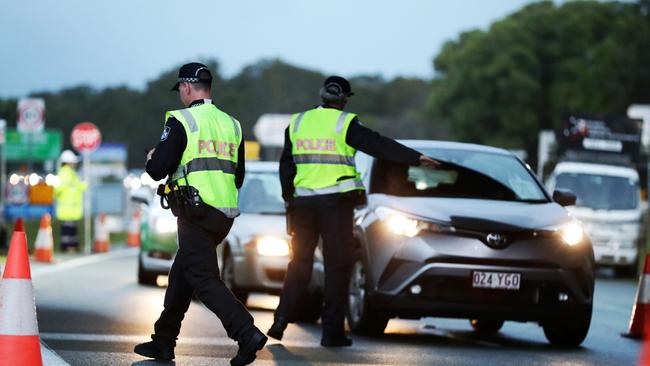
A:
168,153
360,138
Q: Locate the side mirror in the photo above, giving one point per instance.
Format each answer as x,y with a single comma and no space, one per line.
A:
564,197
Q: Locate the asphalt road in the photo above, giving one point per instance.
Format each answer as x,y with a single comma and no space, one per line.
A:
93,313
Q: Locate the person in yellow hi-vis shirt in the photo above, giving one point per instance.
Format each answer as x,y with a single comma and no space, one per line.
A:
69,201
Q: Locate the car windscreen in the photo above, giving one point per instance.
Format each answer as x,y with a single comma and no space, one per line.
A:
463,174
601,192
261,193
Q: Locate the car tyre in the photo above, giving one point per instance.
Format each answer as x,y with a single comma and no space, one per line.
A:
145,277
569,330
362,317
311,308
228,277
625,271
486,326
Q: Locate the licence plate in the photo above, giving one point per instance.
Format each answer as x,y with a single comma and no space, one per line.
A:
496,280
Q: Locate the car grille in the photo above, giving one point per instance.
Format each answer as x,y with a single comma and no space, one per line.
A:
276,275
460,291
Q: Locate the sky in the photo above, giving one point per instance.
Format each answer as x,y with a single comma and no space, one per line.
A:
49,45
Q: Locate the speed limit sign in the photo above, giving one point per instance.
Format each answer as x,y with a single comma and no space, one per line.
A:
85,137
31,115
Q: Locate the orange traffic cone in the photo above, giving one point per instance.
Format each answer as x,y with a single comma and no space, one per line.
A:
19,340
19,225
44,241
102,239
133,239
645,351
641,310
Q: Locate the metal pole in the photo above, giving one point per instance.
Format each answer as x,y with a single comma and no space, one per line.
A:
87,212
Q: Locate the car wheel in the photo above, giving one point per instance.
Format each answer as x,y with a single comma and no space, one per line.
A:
145,277
362,317
485,326
625,271
228,277
569,330
311,308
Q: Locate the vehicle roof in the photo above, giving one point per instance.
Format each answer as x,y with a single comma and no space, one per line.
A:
262,166
591,168
450,145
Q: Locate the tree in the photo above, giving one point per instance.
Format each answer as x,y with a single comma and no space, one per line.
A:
503,85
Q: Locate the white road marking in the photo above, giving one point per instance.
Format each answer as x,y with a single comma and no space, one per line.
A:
196,341
50,358
83,261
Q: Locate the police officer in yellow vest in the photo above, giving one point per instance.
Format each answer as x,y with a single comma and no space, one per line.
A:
69,200
321,186
201,151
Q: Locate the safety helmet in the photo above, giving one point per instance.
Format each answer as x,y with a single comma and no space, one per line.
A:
68,157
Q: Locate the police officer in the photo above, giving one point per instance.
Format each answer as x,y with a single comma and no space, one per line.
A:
321,186
69,201
201,151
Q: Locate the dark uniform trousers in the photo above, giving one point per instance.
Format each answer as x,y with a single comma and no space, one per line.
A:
195,270
334,226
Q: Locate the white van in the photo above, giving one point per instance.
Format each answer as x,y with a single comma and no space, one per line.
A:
609,206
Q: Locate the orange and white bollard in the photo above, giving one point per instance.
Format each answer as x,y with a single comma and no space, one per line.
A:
641,310
102,239
133,238
44,241
19,340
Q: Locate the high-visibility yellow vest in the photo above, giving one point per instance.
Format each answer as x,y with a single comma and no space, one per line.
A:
210,157
324,161
69,195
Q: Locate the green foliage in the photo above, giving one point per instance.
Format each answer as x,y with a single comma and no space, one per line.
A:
269,86
502,85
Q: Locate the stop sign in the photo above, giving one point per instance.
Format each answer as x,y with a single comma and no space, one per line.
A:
85,137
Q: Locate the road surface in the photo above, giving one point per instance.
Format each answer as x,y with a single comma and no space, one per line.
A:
93,312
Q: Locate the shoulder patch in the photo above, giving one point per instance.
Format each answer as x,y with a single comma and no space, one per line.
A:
165,133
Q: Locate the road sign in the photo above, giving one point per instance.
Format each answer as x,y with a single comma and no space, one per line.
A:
85,137
45,145
269,129
31,115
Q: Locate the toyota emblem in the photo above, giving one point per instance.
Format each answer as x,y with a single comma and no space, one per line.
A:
496,240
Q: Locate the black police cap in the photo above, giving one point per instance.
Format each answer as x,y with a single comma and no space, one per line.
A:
340,81
193,72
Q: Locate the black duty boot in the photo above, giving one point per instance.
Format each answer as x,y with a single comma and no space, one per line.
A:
339,341
277,329
248,349
155,349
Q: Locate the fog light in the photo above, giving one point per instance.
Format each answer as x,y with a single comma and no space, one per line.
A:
416,289
562,296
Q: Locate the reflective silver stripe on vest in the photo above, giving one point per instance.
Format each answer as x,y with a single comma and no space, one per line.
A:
229,212
341,122
341,187
234,125
298,119
190,120
205,164
323,159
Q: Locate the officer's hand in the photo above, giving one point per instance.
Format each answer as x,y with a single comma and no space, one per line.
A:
428,162
150,154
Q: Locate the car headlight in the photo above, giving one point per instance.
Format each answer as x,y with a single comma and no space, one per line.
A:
400,224
571,233
272,246
165,225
